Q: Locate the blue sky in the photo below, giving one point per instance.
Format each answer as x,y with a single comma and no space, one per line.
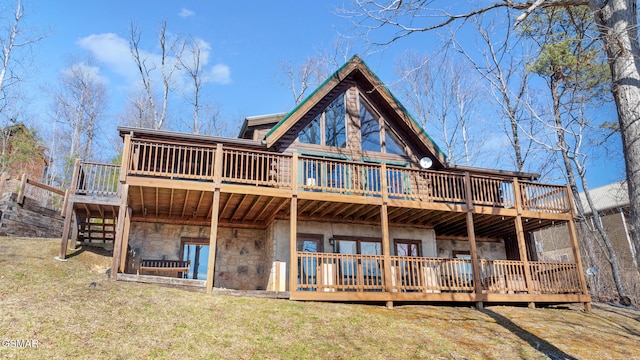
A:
247,41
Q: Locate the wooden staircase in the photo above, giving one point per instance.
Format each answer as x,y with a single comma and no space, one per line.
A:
96,232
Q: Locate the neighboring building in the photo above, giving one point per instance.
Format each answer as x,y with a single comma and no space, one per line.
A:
21,154
612,203
345,198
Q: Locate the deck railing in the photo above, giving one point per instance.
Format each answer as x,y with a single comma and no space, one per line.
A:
553,278
256,168
345,272
500,276
162,159
340,272
542,197
241,166
95,179
339,176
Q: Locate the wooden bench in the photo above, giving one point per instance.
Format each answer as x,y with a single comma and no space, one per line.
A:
179,267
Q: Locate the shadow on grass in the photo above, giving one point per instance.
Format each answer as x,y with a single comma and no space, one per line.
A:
541,345
92,249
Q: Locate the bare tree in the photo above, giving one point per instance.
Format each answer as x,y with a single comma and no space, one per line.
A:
505,72
79,104
315,69
139,111
440,93
14,37
568,61
616,21
170,51
302,77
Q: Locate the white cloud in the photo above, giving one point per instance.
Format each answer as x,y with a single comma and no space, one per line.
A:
185,13
219,73
111,50
85,71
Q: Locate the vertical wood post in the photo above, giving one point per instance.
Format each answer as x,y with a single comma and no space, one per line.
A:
293,250
68,210
126,159
293,226
384,225
473,250
573,235
522,246
125,240
117,242
213,240
215,210
23,184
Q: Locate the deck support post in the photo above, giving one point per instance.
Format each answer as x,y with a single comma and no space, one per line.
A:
573,235
68,211
213,240
117,241
384,225
522,246
125,240
215,213
293,250
293,227
473,250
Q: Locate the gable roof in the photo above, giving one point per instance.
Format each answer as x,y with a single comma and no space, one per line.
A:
356,71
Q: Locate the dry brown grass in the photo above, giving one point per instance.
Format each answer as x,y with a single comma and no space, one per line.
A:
52,302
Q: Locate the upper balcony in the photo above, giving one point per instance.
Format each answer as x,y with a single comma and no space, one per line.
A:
324,178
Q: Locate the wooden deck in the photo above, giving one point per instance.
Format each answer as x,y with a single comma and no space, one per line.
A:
216,185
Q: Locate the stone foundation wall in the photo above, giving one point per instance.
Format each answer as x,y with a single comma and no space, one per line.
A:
242,255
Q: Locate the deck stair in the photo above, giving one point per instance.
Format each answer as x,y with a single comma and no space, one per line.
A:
96,231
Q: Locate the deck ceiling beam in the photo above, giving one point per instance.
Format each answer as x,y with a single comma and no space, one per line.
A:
277,210
354,209
184,205
238,207
307,205
171,201
264,209
370,214
199,204
399,214
142,206
87,209
319,208
226,206
331,209
416,216
409,215
343,209
252,207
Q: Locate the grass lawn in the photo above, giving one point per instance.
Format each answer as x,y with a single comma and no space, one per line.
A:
52,302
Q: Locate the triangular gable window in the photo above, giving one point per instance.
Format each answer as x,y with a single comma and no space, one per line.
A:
328,128
373,131
369,130
311,133
392,144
